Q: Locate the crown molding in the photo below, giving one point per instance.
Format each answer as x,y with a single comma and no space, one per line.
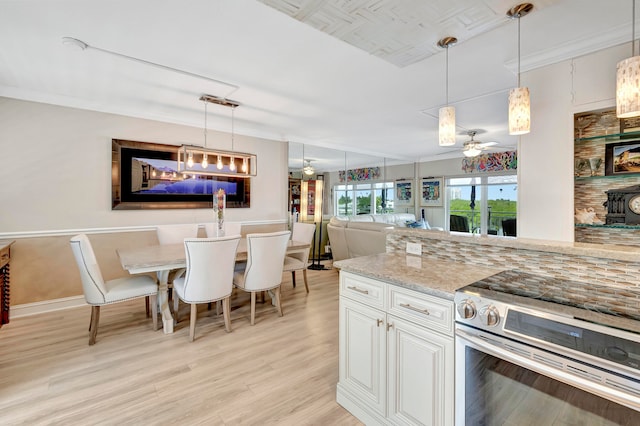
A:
571,49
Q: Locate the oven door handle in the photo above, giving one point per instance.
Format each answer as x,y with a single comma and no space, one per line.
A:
496,349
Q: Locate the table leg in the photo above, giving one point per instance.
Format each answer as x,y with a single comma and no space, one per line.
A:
163,302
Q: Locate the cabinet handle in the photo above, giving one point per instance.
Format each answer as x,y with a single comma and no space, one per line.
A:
358,290
413,308
389,326
379,322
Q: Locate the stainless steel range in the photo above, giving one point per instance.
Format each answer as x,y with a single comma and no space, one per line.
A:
539,350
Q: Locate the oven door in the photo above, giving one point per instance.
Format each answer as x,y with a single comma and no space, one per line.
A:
502,382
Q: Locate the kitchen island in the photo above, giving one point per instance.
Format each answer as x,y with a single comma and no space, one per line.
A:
397,312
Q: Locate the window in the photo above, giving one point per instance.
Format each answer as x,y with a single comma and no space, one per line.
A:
483,204
363,198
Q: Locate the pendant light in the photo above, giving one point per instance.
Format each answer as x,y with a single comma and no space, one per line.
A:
447,114
194,160
519,100
627,76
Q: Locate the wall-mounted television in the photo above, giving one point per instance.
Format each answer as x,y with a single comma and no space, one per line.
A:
144,176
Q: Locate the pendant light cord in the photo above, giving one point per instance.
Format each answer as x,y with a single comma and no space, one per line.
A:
633,29
232,127
205,124
519,50
447,75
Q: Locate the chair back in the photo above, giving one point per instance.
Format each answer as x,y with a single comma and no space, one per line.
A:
458,223
210,267
303,232
509,227
230,228
265,259
92,282
175,234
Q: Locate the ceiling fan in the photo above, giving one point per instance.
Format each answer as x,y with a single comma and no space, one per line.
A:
308,169
473,148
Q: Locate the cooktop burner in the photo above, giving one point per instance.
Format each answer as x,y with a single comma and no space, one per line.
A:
611,306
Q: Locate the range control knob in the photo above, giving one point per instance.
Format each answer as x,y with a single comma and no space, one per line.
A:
489,316
467,309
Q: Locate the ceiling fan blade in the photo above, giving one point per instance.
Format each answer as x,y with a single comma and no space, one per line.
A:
486,144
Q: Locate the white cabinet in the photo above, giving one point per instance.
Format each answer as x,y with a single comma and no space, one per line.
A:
419,375
396,354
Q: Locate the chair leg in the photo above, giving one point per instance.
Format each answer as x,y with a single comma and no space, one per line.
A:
306,285
226,311
262,297
293,278
192,322
278,301
218,306
176,309
153,300
253,307
93,327
146,306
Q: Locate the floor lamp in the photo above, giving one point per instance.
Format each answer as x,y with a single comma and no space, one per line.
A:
312,193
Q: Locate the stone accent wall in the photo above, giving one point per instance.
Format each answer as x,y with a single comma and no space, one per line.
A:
628,236
511,254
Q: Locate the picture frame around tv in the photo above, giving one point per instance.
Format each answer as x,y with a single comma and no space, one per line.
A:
144,176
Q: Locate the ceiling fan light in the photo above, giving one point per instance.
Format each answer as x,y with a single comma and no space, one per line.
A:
627,88
447,126
519,111
471,150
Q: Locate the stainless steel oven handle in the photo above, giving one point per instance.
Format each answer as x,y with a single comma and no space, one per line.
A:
579,382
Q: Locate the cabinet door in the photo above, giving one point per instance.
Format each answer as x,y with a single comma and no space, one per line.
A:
363,353
420,375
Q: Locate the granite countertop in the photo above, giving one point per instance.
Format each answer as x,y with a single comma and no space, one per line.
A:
437,278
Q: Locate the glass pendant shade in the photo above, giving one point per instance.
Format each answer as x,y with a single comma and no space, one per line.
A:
447,126
628,88
519,111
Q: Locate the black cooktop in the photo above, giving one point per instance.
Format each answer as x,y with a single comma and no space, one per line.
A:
611,306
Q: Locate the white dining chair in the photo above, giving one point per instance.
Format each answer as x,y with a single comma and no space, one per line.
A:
175,234
208,277
98,292
298,261
230,228
263,269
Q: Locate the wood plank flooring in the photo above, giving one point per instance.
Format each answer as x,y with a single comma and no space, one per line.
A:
283,370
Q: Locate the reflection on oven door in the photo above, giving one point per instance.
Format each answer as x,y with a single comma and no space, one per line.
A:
497,392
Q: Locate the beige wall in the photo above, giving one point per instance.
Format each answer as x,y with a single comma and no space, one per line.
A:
56,178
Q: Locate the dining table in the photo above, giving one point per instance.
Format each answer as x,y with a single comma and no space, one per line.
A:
161,259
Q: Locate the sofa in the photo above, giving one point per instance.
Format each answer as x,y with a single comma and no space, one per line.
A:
362,235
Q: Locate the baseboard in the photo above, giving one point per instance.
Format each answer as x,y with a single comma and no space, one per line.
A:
27,309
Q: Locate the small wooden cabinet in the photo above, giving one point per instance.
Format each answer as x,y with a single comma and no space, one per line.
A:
5,258
396,354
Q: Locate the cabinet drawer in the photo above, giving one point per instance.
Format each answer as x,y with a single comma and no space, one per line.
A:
423,309
365,290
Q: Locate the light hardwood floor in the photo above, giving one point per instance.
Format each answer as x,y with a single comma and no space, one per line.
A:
283,370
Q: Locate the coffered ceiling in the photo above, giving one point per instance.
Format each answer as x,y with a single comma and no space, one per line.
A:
401,32
357,75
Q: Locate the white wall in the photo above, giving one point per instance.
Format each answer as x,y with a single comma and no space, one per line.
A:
56,172
545,156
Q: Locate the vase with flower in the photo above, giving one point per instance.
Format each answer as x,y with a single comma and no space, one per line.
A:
219,205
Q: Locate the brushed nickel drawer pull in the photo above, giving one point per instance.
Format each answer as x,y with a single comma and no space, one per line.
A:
358,290
379,321
413,308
